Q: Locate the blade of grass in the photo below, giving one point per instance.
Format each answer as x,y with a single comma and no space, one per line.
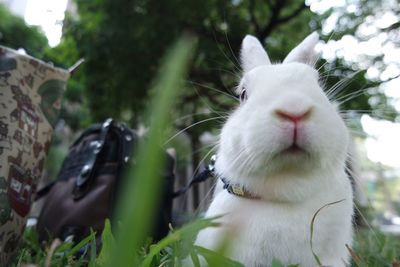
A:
93,250
312,228
216,259
54,245
195,259
276,263
80,245
136,206
107,243
356,259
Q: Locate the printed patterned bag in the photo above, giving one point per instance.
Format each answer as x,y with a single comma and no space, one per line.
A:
30,99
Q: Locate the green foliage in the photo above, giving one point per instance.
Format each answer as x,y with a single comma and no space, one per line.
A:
277,263
365,94
373,248
65,254
107,245
30,250
57,154
123,41
178,244
353,91
173,250
216,259
16,34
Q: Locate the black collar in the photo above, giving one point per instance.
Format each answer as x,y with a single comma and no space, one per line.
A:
234,189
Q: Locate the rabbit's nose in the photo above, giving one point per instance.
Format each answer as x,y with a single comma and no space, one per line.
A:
295,117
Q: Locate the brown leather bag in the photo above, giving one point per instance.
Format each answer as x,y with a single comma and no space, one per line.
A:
84,194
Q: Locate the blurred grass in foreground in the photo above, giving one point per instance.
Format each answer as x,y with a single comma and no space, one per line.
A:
142,184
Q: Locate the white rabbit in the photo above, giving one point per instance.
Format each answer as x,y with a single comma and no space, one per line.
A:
284,150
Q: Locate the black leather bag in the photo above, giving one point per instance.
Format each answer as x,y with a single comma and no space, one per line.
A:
84,194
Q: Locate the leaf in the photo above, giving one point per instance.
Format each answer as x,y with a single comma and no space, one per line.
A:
107,243
356,258
276,263
312,228
93,249
86,241
216,259
187,232
195,259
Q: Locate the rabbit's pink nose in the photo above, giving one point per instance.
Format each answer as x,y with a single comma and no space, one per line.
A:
293,116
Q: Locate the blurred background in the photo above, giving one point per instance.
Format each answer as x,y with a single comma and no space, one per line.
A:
123,41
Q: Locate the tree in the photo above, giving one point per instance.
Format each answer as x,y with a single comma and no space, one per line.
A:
16,34
123,41
364,22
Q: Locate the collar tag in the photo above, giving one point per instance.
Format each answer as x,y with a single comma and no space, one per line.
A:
237,190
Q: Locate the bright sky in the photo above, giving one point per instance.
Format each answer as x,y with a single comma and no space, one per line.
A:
384,144
48,14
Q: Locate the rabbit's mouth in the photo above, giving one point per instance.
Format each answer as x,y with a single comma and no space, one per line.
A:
293,149
292,156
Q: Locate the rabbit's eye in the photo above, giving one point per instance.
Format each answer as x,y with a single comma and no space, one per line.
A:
243,95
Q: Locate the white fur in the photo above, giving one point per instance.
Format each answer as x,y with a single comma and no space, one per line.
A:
304,52
253,54
292,187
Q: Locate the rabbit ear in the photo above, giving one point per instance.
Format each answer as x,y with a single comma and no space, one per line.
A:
252,54
304,52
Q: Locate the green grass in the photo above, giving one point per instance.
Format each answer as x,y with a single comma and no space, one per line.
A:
373,248
130,247
370,249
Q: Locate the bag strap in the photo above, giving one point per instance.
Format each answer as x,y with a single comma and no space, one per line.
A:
89,168
97,147
44,190
200,177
